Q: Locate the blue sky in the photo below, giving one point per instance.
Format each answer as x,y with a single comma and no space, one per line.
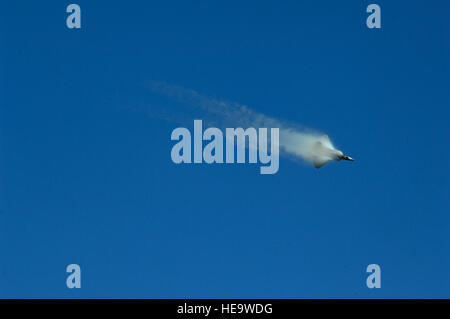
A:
87,176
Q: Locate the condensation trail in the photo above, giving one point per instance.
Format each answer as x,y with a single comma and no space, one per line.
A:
296,142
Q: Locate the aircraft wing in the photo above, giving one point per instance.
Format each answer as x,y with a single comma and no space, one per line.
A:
320,161
326,141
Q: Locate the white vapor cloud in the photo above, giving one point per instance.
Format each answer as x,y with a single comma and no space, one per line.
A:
296,142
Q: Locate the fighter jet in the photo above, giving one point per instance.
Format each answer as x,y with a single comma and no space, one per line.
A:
324,152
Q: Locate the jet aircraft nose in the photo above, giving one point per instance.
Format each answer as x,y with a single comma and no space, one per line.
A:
348,158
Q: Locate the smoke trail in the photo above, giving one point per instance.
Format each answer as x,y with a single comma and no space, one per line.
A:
295,141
